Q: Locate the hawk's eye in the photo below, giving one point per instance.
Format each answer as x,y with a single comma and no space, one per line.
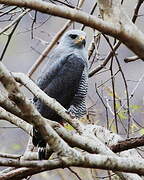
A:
73,36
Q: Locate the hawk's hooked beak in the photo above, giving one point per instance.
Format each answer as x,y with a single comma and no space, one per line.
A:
81,40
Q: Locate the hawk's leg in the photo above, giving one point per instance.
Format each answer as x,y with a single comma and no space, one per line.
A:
70,111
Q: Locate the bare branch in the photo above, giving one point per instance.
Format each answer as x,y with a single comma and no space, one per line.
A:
128,144
9,105
15,120
131,59
12,156
84,160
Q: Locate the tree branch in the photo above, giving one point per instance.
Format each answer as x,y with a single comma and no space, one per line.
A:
15,120
128,144
84,160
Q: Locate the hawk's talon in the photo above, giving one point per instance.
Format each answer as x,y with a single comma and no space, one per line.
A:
72,115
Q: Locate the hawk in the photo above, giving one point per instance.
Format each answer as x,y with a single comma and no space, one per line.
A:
64,78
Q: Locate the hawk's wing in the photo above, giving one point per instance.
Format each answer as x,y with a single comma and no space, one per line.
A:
61,82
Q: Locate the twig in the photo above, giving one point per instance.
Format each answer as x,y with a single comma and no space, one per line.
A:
133,92
9,38
66,4
12,156
131,59
32,26
114,95
14,22
126,87
101,66
138,83
8,11
76,174
36,27
106,109
136,11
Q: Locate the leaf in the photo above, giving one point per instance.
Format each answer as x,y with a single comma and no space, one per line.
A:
122,115
113,127
118,106
110,92
135,107
133,127
141,131
16,147
68,127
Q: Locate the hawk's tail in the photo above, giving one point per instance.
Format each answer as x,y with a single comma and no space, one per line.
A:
38,140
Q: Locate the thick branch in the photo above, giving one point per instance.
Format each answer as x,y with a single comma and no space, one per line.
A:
8,105
15,120
64,12
84,160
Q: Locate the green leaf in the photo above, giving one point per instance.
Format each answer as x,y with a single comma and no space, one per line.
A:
16,147
122,115
141,131
135,107
134,127
118,106
69,127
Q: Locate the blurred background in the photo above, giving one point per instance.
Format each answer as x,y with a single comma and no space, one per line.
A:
25,47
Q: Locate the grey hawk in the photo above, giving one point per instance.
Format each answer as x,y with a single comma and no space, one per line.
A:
64,78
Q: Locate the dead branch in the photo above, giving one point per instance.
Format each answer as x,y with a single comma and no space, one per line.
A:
128,144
